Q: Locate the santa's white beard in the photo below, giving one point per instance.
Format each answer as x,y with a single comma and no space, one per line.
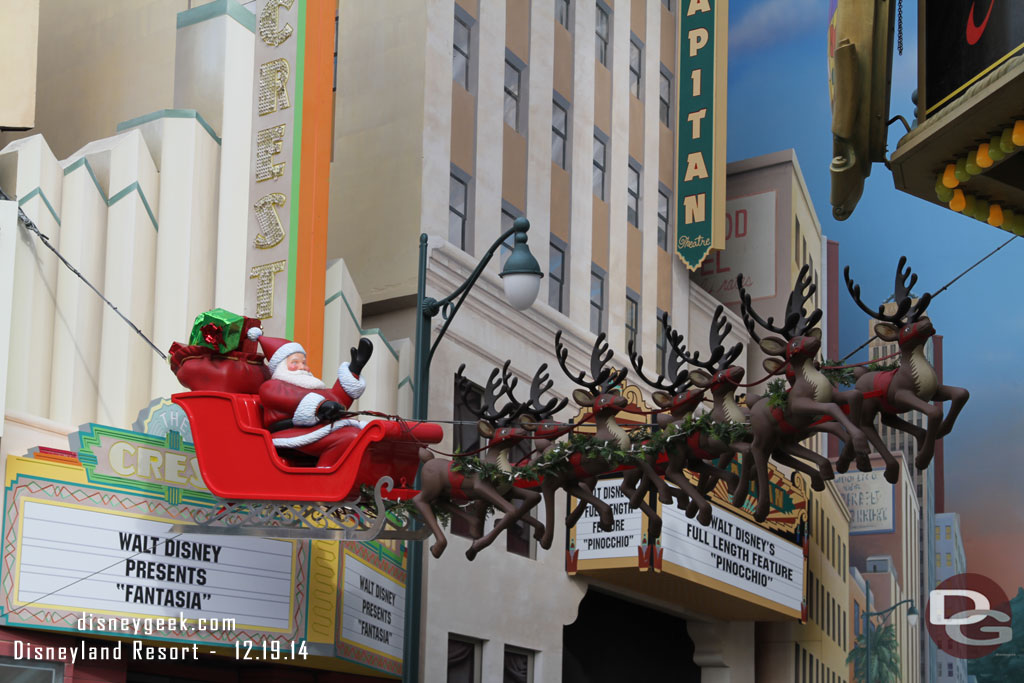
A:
300,378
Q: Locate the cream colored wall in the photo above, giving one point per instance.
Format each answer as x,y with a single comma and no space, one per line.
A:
386,129
19,49
98,66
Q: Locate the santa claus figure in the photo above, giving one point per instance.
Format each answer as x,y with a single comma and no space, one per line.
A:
300,411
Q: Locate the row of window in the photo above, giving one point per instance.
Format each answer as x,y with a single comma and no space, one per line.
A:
809,669
824,610
464,662
828,539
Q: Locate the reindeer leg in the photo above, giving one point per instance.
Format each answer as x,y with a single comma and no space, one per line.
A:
629,487
823,463
897,422
530,500
487,493
957,396
807,406
603,509
817,483
699,505
574,516
549,488
421,501
847,454
653,519
472,514
906,397
739,495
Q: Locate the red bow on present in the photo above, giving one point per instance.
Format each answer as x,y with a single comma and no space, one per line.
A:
212,334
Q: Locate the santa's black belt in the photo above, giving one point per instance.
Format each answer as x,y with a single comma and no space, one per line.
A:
287,423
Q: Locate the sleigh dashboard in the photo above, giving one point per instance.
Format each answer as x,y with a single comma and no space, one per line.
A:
238,460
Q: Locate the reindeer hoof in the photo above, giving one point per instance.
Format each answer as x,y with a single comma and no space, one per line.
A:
863,464
606,524
731,483
665,497
692,509
892,473
826,471
471,553
705,516
761,513
545,542
842,465
654,529
923,459
817,483
438,548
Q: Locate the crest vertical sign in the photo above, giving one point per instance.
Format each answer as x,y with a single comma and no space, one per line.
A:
700,174
289,169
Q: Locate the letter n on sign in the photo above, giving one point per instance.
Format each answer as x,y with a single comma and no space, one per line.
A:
700,98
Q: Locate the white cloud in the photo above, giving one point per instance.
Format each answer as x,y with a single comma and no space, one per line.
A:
772,22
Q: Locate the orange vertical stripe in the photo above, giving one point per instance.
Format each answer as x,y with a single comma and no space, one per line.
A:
317,143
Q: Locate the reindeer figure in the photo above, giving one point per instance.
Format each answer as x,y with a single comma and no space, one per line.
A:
912,386
447,488
605,404
680,400
778,431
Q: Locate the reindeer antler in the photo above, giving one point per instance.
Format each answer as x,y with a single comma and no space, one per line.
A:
679,376
604,378
540,384
720,329
796,321
901,295
488,412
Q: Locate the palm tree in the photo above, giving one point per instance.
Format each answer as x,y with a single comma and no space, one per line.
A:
885,656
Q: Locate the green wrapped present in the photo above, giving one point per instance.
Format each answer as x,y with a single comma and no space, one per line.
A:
218,329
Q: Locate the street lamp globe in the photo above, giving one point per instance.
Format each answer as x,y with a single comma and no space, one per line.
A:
521,275
912,616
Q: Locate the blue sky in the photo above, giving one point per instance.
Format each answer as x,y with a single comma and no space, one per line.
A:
778,98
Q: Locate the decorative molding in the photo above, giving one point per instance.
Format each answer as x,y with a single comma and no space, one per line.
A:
364,332
170,114
218,8
39,191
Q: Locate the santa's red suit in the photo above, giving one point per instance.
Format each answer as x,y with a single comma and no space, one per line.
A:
284,400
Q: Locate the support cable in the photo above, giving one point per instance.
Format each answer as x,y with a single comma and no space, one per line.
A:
32,227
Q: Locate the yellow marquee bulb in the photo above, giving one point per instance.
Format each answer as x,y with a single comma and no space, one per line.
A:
1018,133
958,203
961,171
995,215
983,159
949,176
1006,141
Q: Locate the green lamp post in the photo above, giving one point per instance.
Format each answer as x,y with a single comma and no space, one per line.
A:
912,616
520,278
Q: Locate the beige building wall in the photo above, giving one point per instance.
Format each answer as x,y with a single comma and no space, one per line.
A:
19,50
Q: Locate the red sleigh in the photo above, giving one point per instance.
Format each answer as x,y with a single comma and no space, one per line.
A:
269,495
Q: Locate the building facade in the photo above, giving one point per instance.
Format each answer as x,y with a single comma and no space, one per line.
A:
949,561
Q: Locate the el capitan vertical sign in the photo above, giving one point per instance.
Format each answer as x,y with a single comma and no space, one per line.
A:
700,174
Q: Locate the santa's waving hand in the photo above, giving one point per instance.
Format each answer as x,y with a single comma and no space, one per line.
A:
301,411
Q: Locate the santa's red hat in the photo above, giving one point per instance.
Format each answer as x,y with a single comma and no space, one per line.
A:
275,349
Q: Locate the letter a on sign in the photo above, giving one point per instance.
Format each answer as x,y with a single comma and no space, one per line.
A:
700,174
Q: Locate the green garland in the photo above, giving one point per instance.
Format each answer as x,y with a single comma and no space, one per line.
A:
845,377
777,394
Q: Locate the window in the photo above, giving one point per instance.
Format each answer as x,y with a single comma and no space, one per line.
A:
937,533
632,321
28,671
601,29
665,99
463,660
948,532
559,133
949,560
457,212
633,200
460,55
596,302
556,283
562,13
599,166
856,619
938,560
634,68
663,209
949,669
512,79
518,666
661,344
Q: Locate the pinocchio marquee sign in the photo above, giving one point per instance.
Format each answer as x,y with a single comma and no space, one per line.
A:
700,174
291,142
